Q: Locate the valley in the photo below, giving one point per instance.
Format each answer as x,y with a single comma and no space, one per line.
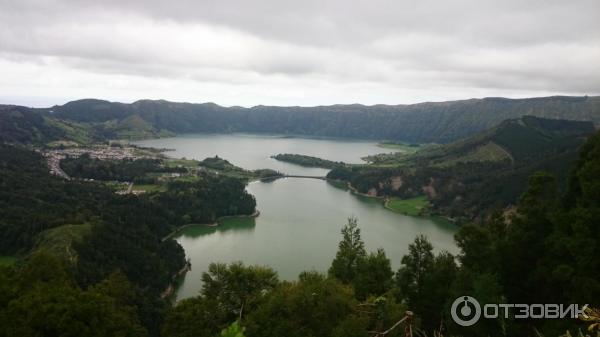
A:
299,218
178,217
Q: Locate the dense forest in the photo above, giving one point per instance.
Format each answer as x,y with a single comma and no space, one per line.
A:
119,170
425,122
442,122
223,166
307,161
92,256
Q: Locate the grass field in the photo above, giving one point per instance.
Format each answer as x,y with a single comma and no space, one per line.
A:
187,178
59,240
116,186
413,206
7,260
150,188
399,146
182,162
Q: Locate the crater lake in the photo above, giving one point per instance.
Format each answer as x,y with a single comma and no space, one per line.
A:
300,219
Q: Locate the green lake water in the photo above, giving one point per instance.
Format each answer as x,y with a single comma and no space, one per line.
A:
300,219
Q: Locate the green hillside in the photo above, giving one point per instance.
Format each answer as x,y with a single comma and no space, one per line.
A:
307,161
23,125
469,178
444,122
59,241
441,122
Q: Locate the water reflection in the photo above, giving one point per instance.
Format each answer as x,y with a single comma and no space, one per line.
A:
225,225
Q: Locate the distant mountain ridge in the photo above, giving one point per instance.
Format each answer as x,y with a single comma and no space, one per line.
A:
424,122
440,122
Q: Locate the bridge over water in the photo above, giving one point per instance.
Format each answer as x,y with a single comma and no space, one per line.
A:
294,176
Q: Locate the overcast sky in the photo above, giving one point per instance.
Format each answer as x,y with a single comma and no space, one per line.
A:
302,52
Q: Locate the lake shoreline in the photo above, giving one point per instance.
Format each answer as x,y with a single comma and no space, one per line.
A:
299,218
172,288
386,200
214,224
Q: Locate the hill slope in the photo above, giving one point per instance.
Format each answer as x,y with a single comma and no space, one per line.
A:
23,125
425,122
468,178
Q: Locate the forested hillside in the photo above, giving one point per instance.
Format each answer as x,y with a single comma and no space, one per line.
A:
24,125
470,178
79,240
425,122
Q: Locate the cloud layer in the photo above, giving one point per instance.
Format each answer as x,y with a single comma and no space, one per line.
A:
296,52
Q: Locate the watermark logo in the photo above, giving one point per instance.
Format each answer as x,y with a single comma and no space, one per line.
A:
466,311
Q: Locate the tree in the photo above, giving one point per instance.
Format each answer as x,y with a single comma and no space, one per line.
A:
526,241
411,277
475,243
49,304
374,275
437,291
234,330
415,266
195,317
313,306
351,250
237,287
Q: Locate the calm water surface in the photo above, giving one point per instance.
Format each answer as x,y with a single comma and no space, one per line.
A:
254,151
300,221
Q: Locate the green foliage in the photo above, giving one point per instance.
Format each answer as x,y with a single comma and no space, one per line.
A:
313,306
224,167
471,178
228,293
423,123
74,133
195,317
475,243
423,282
545,253
373,275
369,274
41,299
415,267
32,201
307,161
7,260
146,261
120,170
105,232
413,206
237,288
234,330
399,146
59,241
22,125
351,250
218,163
207,198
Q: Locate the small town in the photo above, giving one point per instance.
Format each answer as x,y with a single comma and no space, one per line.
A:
102,152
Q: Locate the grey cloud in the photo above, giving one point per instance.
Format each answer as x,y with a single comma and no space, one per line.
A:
512,46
